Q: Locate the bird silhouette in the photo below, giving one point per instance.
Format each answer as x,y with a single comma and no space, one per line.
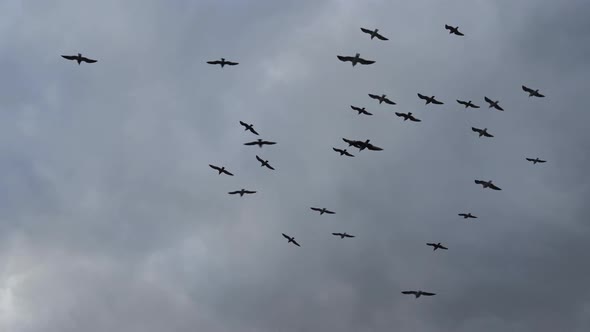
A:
373,33
437,246
487,184
343,152
482,132
355,59
291,239
532,93
453,30
323,210
493,104
342,235
419,293
249,127
78,58
360,110
260,143
382,99
264,163
222,63
467,104
241,192
467,215
430,100
408,116
220,170
536,160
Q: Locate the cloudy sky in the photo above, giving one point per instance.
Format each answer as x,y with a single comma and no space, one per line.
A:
111,219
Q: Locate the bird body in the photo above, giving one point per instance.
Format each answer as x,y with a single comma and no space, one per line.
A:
355,59
78,58
222,62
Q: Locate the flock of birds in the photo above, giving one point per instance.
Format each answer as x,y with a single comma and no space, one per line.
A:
359,144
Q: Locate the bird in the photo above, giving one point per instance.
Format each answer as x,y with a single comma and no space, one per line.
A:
437,246
342,235
355,59
419,293
467,103
241,192
220,170
362,145
374,33
249,127
291,239
79,58
532,93
264,163
487,184
343,152
323,210
536,160
453,30
260,143
222,63
467,215
360,110
382,99
493,104
408,116
430,100
482,132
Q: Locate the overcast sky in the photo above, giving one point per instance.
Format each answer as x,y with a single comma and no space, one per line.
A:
112,220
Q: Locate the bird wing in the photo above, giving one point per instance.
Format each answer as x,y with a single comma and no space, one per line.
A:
400,114
387,101
428,294
365,61
366,30
337,234
414,119
270,167
348,235
249,192
498,108
344,58
87,60
228,173
477,130
463,214
251,143
458,33
350,142
268,143
529,90
367,113
348,154
479,182
409,292
374,96
337,150
486,134
530,159
493,186
286,236
474,106
380,37
541,161
259,159
461,102
295,243
540,95
443,247
234,192
434,101
243,123
229,63
214,167
330,212
448,27
373,147
422,97
253,131
69,57
430,244
488,100
316,209
358,109
216,62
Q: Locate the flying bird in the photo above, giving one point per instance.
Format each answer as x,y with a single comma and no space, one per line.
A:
264,163
260,143
373,33
467,215
241,192
220,170
323,210
437,246
382,99
342,235
355,59
430,100
482,132
362,145
78,58
408,116
536,160
453,30
291,239
493,104
532,93
343,152
222,63
360,110
249,127
419,293
487,184
467,104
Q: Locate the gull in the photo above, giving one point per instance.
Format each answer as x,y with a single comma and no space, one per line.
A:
532,93
260,143
249,127
482,132
355,59
360,110
487,184
374,34
362,145
493,104
322,210
407,116
382,99
222,62
419,293
467,215
430,100
437,246
453,30
291,239
79,58
342,235
536,160
220,170
343,152
467,103
264,163
241,192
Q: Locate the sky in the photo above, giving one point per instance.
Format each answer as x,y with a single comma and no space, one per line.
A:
112,220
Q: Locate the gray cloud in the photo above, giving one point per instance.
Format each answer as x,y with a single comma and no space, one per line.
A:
112,220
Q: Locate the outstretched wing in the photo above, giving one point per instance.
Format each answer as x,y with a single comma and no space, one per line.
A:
463,215
270,167
400,114
229,63
358,109
214,167
87,60
387,101
498,108
458,33
365,61
344,58
380,37
434,101
216,62
259,159
479,182
316,209
373,147
367,113
474,106
348,154
286,236
251,143
337,234
337,150
488,100
330,212
228,173
243,123
249,192
541,161
486,134
477,130
493,186
374,96
253,131
414,119
366,30
462,102
428,294
443,247
448,27
348,235
529,90
69,57
234,192
409,292
268,143
295,243
422,97
431,244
